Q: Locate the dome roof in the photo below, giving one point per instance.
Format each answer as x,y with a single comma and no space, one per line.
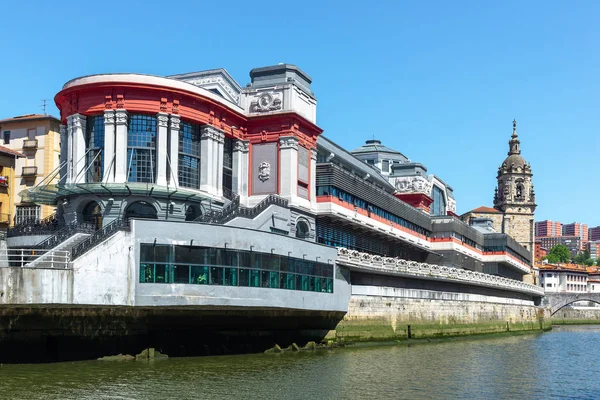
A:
375,146
515,159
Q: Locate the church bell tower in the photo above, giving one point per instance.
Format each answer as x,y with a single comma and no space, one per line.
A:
514,195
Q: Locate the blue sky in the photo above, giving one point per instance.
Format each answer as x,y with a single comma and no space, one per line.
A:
439,81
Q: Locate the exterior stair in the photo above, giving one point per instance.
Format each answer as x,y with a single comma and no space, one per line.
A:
63,249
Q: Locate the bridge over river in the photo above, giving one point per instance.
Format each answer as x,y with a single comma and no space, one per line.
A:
556,301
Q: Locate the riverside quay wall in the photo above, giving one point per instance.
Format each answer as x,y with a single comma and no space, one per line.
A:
383,314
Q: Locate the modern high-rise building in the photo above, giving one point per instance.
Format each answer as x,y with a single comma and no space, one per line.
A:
548,228
576,229
594,234
37,137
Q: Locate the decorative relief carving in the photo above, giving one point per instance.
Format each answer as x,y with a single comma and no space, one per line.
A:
221,82
120,101
109,117
163,120
412,184
451,205
175,106
163,104
175,121
241,145
264,171
268,101
108,102
288,142
121,117
212,133
78,121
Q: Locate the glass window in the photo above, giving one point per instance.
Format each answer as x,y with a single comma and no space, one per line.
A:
438,207
27,214
385,165
227,165
94,144
6,137
141,148
189,155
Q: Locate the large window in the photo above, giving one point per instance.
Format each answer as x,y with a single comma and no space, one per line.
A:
227,165
189,155
229,267
141,148
94,143
27,214
438,207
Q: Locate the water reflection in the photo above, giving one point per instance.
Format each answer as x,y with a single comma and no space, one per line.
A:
552,365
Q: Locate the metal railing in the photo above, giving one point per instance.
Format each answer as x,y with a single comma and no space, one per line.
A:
30,144
30,258
234,210
99,236
28,171
65,233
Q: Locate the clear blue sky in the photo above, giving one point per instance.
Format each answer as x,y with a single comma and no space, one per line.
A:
439,81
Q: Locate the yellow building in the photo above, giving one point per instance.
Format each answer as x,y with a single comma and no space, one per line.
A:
8,160
37,137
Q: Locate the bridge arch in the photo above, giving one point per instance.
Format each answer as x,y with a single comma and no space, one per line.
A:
558,301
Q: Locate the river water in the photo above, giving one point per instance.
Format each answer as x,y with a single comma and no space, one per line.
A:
562,364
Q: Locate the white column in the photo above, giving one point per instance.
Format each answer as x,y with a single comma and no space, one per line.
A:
161,148
240,167
313,177
173,174
78,123
121,146
109,146
210,169
288,166
64,156
220,149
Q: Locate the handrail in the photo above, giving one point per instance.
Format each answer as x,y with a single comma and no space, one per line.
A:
234,210
63,234
35,226
28,258
99,236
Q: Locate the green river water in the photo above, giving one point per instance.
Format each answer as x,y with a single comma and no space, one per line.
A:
561,364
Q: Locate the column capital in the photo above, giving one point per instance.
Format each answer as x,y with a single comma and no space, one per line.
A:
77,120
175,121
162,119
313,154
241,145
212,133
109,116
288,142
121,117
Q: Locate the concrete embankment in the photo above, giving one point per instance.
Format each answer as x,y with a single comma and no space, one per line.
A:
380,318
571,316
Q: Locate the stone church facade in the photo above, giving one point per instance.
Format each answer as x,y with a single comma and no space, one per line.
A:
514,198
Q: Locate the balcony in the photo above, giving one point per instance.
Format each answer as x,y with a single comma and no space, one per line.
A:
3,181
30,144
29,171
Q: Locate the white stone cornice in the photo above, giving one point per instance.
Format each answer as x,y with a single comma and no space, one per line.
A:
288,142
212,133
121,117
174,122
241,145
162,119
109,117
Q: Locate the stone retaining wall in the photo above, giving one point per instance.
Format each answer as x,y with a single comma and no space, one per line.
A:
380,318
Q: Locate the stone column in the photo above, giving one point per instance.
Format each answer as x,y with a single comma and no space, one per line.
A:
64,156
78,128
211,172
288,166
161,148
109,146
240,168
121,146
313,177
173,171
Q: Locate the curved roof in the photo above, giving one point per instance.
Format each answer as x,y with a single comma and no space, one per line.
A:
514,160
375,146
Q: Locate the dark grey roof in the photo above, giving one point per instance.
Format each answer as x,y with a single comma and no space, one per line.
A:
375,146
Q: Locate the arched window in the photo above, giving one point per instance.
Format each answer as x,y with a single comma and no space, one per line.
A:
302,229
92,214
438,207
94,146
141,148
141,209
520,190
192,212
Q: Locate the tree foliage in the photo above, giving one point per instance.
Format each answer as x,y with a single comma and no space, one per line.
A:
559,254
583,258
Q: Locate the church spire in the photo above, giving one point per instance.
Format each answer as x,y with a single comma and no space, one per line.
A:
513,144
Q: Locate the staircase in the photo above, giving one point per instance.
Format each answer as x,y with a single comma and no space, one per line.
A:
234,210
48,259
